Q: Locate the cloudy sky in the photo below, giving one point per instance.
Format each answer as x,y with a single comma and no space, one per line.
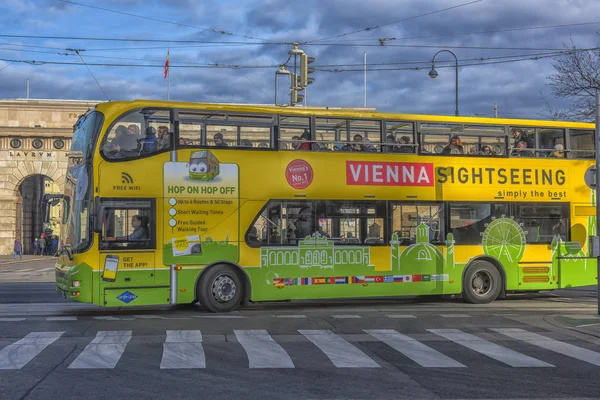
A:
332,31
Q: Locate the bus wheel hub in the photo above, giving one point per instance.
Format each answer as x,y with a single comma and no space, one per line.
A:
481,283
223,288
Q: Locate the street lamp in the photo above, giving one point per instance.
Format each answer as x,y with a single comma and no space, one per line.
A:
281,71
433,73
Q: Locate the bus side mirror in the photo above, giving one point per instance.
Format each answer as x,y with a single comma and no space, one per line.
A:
66,209
98,212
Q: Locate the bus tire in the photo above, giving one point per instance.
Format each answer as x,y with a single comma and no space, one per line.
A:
220,289
482,283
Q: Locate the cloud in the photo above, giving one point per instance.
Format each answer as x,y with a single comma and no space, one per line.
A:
515,87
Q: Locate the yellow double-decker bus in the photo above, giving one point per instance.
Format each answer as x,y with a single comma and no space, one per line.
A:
172,203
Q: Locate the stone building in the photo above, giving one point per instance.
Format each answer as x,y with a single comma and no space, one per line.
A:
35,136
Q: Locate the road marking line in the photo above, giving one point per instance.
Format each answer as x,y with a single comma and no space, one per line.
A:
107,318
492,350
18,354
556,346
262,350
12,319
455,316
401,316
290,316
147,317
104,351
183,349
61,319
341,353
218,316
346,316
415,350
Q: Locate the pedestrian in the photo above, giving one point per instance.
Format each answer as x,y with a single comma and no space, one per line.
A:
54,244
36,246
43,246
18,249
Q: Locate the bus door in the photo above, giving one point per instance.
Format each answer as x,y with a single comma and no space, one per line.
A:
128,253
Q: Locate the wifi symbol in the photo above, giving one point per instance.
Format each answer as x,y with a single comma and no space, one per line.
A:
126,178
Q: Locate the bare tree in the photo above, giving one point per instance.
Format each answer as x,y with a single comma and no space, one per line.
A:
576,77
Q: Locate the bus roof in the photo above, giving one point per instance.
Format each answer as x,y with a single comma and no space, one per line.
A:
340,112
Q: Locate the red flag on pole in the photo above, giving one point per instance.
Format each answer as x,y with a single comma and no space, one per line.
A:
167,63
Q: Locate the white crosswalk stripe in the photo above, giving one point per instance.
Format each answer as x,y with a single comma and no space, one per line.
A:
413,349
262,350
557,346
183,349
186,349
104,351
18,354
492,350
341,353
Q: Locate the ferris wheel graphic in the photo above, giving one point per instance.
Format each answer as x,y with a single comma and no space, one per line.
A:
504,239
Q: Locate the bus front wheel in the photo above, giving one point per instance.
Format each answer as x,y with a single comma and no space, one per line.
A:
482,283
220,289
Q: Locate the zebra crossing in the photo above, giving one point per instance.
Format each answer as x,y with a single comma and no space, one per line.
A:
185,349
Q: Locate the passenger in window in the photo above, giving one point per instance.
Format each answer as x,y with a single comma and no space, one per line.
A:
164,138
367,146
390,148
245,143
558,152
521,136
296,142
128,143
486,150
304,223
263,145
521,150
218,138
112,148
140,230
357,143
305,141
454,147
253,236
474,150
150,141
404,141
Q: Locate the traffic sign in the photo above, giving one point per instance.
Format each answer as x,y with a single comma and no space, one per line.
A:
590,177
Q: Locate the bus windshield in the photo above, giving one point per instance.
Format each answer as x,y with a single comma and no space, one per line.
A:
78,182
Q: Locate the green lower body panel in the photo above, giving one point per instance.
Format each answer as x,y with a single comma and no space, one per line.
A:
136,296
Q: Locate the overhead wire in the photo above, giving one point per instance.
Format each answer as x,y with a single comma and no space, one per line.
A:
91,73
370,28
213,30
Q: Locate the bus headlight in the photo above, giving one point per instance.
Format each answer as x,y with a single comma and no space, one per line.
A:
76,283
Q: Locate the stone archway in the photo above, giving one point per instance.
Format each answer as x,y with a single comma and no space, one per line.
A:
22,186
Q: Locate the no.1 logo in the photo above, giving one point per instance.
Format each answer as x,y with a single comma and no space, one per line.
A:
299,174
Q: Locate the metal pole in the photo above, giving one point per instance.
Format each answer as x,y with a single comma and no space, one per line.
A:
275,88
456,112
169,77
28,88
365,100
597,148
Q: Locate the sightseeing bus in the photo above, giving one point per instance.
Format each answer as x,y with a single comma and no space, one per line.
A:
222,204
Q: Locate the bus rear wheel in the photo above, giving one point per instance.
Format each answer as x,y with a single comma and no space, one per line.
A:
220,289
482,283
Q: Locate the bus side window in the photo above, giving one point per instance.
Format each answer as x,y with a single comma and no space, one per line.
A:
406,219
581,144
128,225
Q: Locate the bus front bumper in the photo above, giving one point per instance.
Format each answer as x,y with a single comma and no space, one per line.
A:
74,283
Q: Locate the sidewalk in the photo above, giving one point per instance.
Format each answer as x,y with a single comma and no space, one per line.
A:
30,269
588,322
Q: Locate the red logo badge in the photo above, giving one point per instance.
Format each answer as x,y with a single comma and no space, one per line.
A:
299,174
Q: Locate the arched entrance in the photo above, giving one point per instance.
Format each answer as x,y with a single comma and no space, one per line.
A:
30,223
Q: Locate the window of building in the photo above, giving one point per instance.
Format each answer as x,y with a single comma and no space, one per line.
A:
294,133
399,137
581,144
137,134
59,144
458,139
468,221
543,221
37,143
407,217
128,224
16,143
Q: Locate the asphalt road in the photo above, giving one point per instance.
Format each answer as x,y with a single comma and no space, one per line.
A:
519,348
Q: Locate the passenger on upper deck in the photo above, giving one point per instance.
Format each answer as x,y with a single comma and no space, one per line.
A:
245,143
367,146
150,141
357,143
305,141
486,150
521,150
558,152
454,147
520,135
164,138
218,138
390,148
405,140
295,142
127,144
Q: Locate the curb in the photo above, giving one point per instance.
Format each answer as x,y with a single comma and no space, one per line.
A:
554,320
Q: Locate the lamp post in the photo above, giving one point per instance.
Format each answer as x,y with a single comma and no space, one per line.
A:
433,73
281,71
